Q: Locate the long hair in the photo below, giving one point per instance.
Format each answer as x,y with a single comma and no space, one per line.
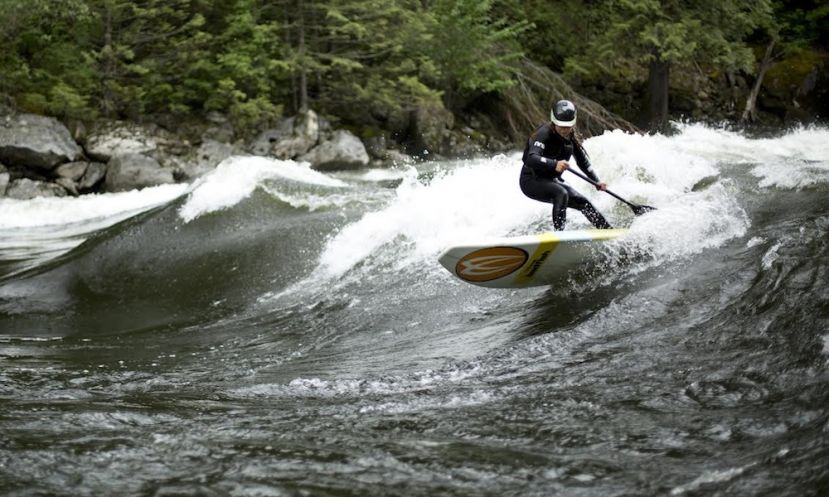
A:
576,139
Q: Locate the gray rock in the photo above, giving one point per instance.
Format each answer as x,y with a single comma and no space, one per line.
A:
4,179
72,170
304,135
376,146
432,125
26,189
95,172
68,185
209,154
118,138
219,128
343,151
293,137
36,141
267,139
135,171
397,158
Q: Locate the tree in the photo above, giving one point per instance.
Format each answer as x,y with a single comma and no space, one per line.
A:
43,71
472,52
795,25
355,58
245,73
140,50
650,37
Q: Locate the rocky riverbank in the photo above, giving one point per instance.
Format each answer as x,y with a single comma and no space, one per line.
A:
41,156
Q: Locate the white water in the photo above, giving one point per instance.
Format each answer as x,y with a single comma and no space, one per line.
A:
43,228
237,177
477,199
60,211
480,198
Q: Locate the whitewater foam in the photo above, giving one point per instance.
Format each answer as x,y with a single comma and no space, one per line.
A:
796,160
479,199
237,177
58,211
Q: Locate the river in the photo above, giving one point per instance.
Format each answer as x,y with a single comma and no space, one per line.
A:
271,330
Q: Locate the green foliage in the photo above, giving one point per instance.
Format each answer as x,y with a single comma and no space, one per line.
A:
471,50
366,63
637,32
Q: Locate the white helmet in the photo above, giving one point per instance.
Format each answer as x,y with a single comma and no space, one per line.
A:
563,113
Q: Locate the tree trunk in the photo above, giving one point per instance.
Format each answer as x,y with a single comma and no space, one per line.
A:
751,101
658,77
303,71
109,65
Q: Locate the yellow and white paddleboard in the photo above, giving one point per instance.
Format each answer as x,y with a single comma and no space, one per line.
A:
525,261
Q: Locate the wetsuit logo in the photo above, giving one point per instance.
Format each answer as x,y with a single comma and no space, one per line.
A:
490,263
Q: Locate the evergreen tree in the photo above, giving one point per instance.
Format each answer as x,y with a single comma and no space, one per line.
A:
140,50
246,72
471,50
43,70
356,58
641,37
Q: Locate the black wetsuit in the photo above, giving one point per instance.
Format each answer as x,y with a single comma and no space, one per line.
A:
540,181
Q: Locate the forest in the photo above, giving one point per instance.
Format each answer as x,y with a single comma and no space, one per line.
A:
368,64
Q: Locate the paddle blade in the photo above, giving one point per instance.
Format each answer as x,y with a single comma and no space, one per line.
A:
641,209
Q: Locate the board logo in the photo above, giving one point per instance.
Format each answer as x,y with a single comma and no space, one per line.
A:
490,263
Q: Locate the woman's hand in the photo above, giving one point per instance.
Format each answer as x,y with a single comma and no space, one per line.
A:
561,166
601,186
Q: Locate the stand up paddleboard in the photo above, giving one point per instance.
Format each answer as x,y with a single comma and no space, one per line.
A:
525,261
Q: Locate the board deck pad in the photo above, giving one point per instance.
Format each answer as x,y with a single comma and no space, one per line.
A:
525,261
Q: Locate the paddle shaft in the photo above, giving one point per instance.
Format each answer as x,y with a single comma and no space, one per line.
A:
585,178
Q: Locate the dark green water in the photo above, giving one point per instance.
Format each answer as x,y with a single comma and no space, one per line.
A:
303,340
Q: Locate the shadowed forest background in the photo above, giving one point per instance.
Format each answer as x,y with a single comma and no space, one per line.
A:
369,65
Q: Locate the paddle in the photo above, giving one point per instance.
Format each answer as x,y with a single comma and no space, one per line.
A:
637,209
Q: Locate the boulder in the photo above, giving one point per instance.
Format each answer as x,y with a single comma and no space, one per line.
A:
265,140
293,137
4,179
209,154
220,128
135,171
36,141
119,138
95,172
27,189
68,185
72,170
431,126
398,158
342,151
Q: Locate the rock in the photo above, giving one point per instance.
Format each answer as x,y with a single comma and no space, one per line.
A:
397,158
293,137
95,172
68,185
304,135
36,141
119,138
209,154
266,139
4,179
431,125
26,189
376,146
135,171
72,170
220,128
343,151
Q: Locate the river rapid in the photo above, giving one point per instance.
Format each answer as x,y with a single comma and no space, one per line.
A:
275,331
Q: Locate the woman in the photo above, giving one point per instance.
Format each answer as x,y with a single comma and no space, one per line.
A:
547,156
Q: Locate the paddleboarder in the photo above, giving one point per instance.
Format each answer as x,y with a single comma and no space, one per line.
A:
546,157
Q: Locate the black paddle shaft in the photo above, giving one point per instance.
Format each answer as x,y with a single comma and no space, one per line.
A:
637,209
